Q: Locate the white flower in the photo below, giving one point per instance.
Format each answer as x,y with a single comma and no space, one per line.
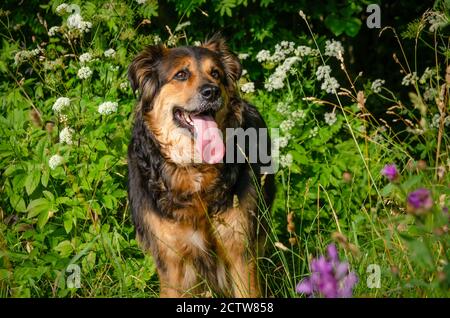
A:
84,73
248,87
427,74
60,104
376,85
330,85
21,56
334,48
107,108
141,1
276,80
283,108
53,30
263,56
286,160
244,72
243,56
75,21
123,86
298,114
61,9
330,118
435,121
313,132
85,57
65,136
323,72
287,125
283,141
429,94
303,51
409,79
110,53
283,49
55,161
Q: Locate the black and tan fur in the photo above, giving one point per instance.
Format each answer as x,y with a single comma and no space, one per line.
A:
201,222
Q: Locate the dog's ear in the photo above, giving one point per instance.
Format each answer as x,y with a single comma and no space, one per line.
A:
230,61
143,72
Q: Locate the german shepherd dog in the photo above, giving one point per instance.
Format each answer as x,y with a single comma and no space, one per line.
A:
200,218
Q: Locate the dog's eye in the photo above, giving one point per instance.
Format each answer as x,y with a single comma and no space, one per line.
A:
215,74
181,76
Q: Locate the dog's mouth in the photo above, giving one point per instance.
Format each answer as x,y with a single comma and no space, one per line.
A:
203,127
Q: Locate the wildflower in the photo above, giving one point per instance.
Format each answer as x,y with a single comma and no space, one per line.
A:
330,277
283,141
330,118
53,30
429,94
437,20
75,21
244,72
276,80
248,87
323,72
298,114
303,51
84,73
287,125
55,161
65,136
283,108
123,86
243,56
409,79
21,56
334,48
427,74
61,9
263,56
85,57
286,160
141,1
60,104
435,121
376,85
283,49
110,53
390,172
330,85
313,132
107,108
419,202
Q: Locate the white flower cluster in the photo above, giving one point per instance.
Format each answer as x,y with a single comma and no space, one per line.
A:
53,30
243,56
110,53
263,56
75,21
123,86
436,119
282,50
141,1
334,48
437,20
283,141
85,57
286,160
430,94
84,72
61,9
55,161
248,88
410,79
330,118
298,114
276,80
329,84
287,125
65,136
23,55
283,108
107,108
303,51
60,104
376,85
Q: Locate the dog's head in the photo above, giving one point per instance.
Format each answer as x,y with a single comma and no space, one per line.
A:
183,92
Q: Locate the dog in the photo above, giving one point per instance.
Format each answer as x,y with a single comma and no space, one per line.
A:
201,219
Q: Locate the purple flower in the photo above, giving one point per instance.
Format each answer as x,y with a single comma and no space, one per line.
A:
329,278
390,172
419,201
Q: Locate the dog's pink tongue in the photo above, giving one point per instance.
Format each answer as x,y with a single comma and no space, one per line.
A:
208,139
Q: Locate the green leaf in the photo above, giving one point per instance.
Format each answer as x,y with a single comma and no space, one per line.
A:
335,24
32,180
352,26
67,220
18,203
64,248
37,206
44,178
43,218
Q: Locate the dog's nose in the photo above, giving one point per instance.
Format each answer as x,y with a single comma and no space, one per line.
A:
210,92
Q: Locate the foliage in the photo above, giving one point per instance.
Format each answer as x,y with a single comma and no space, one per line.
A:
65,121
